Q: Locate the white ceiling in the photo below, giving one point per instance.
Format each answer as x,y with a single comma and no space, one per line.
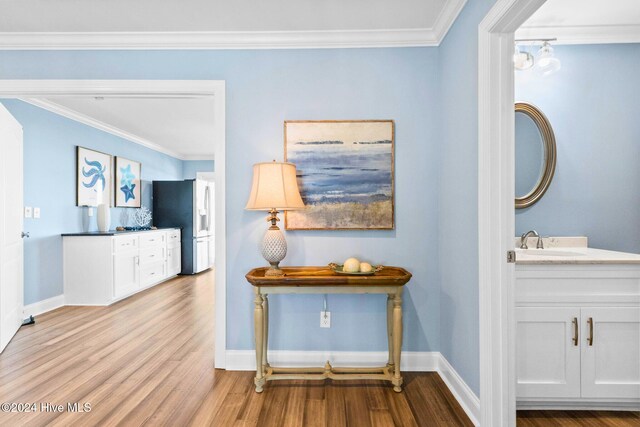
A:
585,21
211,15
231,23
180,127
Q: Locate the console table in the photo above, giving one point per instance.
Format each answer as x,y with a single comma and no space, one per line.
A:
321,280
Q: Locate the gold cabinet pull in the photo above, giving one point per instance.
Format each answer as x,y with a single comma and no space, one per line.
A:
590,323
575,331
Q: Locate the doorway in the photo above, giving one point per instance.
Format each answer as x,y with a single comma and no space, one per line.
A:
214,90
496,222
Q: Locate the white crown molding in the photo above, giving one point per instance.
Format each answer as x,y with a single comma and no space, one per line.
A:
97,124
594,34
321,39
446,18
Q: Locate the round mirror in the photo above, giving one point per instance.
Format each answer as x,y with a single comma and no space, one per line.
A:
535,154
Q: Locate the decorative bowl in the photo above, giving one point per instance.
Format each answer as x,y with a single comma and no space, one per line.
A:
337,268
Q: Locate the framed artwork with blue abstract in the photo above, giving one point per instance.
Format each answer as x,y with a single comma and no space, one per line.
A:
93,177
127,183
345,173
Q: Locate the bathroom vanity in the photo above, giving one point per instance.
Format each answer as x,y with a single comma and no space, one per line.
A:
577,327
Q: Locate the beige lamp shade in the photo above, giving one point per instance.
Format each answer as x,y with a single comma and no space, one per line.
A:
274,187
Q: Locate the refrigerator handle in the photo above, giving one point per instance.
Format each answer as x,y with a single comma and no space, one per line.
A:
207,206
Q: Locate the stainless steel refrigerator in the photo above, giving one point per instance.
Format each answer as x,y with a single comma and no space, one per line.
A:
188,204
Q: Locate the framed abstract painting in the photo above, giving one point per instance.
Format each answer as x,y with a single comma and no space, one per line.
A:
127,183
345,174
93,177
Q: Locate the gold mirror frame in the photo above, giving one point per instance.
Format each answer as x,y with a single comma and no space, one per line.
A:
549,141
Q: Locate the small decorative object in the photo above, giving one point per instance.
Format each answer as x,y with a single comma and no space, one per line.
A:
104,217
364,269
120,228
142,217
351,265
93,177
345,174
127,183
274,188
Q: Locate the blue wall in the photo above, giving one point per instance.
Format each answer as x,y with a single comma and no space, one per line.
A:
264,88
592,104
190,168
49,182
458,238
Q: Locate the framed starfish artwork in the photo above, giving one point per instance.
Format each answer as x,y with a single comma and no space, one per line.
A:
127,183
93,177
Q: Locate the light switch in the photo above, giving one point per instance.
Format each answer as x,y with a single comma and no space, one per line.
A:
27,212
90,211
36,212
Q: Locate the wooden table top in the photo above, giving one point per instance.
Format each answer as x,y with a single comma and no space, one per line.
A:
324,276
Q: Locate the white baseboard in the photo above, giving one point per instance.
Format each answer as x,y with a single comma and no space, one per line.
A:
43,306
460,390
412,361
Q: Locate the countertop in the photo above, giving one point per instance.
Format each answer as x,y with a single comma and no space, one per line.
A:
112,232
574,255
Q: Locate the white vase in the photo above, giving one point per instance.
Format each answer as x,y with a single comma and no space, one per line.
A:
104,217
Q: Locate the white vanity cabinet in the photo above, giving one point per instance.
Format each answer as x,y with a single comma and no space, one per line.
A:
578,336
101,268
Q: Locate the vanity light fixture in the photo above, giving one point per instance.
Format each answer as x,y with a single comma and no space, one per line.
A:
522,60
545,61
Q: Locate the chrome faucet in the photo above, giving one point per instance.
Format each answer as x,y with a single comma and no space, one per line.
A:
525,236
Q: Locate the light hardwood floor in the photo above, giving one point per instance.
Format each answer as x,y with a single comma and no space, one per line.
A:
148,360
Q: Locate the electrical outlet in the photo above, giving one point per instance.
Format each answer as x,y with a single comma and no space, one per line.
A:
28,212
325,319
36,212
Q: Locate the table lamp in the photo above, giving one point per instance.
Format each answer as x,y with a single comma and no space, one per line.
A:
274,188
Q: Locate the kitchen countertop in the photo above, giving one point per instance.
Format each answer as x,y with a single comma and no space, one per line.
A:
112,232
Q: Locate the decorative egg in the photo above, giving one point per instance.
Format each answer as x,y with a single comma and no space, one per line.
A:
352,265
365,267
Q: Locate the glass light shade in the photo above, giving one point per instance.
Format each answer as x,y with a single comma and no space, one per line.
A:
547,62
275,186
522,60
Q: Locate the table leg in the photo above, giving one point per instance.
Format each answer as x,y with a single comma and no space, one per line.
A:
258,321
397,339
390,330
265,334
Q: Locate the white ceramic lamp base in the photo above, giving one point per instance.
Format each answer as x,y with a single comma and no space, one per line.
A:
274,249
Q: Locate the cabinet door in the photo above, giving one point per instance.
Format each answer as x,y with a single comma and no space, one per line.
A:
173,261
547,354
125,273
611,354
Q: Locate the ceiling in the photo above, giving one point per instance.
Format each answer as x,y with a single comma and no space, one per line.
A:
585,21
233,23
181,127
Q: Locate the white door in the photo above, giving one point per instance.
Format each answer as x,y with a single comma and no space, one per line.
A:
11,246
548,352
611,352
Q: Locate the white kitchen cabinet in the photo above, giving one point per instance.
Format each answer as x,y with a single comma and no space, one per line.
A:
597,304
548,336
101,268
126,278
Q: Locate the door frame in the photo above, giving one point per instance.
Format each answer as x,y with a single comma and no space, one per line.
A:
496,217
215,89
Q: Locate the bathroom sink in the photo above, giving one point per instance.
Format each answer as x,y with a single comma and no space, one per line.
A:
551,252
